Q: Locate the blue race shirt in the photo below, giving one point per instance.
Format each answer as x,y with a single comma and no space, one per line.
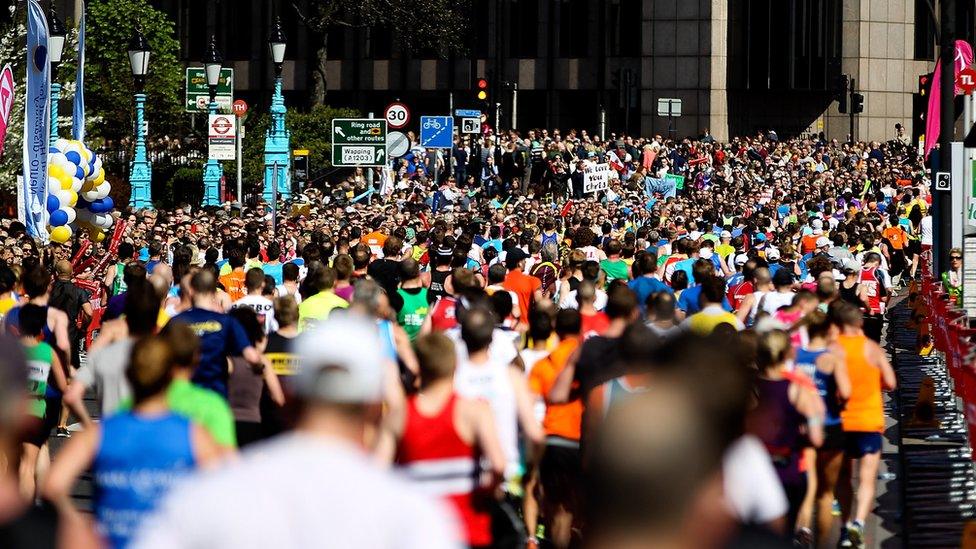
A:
138,460
645,286
274,271
220,336
688,301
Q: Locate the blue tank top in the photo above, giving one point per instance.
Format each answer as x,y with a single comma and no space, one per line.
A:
806,362
139,459
386,339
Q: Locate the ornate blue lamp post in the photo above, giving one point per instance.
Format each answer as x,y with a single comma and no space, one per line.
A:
55,48
140,172
213,172
277,140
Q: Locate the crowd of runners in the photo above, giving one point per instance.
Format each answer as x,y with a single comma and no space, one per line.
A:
479,354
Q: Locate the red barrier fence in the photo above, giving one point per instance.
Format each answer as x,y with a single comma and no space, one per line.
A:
951,335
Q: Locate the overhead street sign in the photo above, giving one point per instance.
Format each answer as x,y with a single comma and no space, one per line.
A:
467,113
358,142
437,132
198,93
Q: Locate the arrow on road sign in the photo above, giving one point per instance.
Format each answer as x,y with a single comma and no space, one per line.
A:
379,155
338,130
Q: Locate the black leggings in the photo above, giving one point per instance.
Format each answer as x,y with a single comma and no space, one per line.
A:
795,492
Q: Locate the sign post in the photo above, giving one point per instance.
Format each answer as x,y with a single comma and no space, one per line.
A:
198,93
670,107
240,109
300,165
358,142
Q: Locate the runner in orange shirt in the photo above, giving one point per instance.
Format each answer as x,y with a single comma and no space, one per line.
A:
561,467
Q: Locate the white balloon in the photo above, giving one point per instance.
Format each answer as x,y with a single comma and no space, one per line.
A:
103,189
72,214
61,144
90,196
73,147
76,184
98,164
53,184
107,222
64,197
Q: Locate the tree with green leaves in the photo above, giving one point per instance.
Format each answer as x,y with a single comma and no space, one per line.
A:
109,87
438,25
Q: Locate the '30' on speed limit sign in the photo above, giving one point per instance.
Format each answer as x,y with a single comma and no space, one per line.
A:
397,115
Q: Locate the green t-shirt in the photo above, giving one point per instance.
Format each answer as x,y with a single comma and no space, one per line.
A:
616,270
39,358
201,406
414,311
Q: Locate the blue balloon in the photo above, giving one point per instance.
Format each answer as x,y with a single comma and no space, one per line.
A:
53,150
53,204
80,173
58,218
91,163
100,206
109,203
74,157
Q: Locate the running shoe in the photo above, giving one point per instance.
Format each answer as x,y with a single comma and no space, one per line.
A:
844,541
855,532
803,538
63,432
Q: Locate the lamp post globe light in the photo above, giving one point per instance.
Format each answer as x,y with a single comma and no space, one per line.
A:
140,172
277,139
213,172
55,49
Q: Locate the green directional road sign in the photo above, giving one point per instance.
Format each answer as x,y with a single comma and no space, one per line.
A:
358,142
198,94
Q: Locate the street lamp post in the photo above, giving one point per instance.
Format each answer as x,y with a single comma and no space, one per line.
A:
140,172
213,172
55,47
277,139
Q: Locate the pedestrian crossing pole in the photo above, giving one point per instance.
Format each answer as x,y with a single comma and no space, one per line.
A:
942,221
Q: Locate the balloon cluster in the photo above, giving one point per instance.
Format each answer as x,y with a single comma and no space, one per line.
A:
77,192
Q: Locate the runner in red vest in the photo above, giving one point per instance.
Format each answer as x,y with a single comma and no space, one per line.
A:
877,294
442,438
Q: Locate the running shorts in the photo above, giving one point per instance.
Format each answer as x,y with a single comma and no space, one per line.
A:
858,443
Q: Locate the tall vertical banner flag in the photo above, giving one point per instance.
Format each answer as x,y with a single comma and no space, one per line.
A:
37,121
963,58
6,102
78,114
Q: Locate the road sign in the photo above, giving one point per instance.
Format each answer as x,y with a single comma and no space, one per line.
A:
397,115
471,125
239,107
437,132
198,93
943,181
358,142
667,106
300,167
397,144
222,138
966,80
467,113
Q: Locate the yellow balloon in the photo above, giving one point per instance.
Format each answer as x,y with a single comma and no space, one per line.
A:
61,234
72,197
96,235
65,180
100,177
88,185
85,154
55,171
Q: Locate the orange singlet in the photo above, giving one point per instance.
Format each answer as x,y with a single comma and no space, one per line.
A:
864,411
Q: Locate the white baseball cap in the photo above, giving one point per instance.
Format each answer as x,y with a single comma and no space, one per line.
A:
340,360
725,234
741,259
823,241
695,235
772,254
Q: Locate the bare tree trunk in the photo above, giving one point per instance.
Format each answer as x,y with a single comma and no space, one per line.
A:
320,83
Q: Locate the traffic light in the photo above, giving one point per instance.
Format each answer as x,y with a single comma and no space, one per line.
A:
840,93
857,103
481,90
924,83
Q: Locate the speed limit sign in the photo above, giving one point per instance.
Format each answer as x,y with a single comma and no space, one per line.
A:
397,115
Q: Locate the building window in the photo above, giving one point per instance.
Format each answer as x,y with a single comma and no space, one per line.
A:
624,28
523,28
924,32
574,26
